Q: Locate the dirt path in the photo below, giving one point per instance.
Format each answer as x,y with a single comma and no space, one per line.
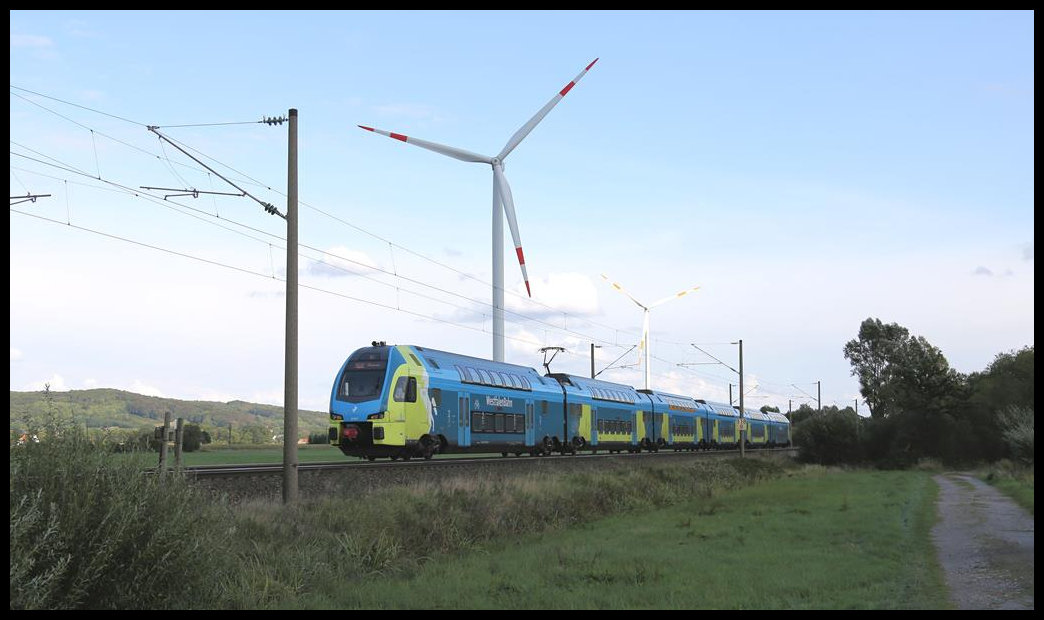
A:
985,545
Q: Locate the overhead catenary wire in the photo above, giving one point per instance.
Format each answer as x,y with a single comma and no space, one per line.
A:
582,320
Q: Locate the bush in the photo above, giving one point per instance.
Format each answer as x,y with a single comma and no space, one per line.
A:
829,438
318,438
91,530
1016,425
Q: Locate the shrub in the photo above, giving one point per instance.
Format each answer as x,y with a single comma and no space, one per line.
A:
92,530
1016,425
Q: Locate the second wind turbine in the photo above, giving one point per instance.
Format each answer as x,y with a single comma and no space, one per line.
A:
501,200
645,321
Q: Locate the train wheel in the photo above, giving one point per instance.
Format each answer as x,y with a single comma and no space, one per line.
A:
371,458
428,446
503,454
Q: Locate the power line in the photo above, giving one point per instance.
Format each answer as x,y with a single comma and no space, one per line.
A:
185,148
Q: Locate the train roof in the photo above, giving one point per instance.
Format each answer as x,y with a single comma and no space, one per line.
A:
599,389
720,408
468,369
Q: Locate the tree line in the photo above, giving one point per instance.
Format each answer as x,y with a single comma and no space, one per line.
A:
920,407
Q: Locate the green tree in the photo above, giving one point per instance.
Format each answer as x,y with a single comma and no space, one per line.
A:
192,437
872,355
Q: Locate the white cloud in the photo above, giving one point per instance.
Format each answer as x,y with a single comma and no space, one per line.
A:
572,293
30,40
140,388
982,271
56,383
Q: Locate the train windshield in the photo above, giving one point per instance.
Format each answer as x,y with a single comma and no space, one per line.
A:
363,377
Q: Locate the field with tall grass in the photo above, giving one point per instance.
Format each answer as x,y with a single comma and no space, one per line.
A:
92,532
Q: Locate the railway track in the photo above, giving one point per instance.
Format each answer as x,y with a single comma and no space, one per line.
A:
463,462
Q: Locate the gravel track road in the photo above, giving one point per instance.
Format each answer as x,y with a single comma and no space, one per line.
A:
985,545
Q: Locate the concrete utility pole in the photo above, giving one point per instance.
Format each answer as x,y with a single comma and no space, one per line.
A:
819,395
290,368
743,425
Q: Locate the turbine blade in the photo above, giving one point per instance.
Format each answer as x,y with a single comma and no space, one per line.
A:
621,289
644,341
509,211
675,296
539,116
449,151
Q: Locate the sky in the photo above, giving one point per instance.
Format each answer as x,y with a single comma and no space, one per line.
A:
806,170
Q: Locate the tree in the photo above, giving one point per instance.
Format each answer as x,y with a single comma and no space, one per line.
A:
871,356
192,437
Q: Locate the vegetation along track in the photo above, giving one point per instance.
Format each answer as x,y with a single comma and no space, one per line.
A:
337,478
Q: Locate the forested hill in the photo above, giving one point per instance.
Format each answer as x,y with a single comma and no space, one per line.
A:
108,408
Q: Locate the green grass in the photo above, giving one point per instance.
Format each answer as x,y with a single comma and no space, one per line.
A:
1013,479
854,540
712,534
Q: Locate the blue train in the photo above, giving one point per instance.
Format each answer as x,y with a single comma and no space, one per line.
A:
409,401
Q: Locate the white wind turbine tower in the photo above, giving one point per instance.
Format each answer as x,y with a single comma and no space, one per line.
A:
502,202
645,321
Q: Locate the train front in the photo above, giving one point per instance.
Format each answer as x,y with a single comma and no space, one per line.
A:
359,420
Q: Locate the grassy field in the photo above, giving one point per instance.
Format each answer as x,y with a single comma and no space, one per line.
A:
817,540
715,534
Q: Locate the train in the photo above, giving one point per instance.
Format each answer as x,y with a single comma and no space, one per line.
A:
407,401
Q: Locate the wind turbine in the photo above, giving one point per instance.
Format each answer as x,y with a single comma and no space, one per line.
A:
502,202
645,321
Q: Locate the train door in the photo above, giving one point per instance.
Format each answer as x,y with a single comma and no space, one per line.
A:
594,426
530,439
464,420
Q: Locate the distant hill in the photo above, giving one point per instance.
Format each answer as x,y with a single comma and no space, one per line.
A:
108,408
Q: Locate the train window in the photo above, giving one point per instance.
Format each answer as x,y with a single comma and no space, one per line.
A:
574,408
525,384
516,381
473,375
432,362
405,390
436,396
415,360
484,377
543,407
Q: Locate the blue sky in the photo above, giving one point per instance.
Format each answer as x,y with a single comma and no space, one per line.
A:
807,170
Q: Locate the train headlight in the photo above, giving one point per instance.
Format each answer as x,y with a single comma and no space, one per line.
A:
336,416
375,416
